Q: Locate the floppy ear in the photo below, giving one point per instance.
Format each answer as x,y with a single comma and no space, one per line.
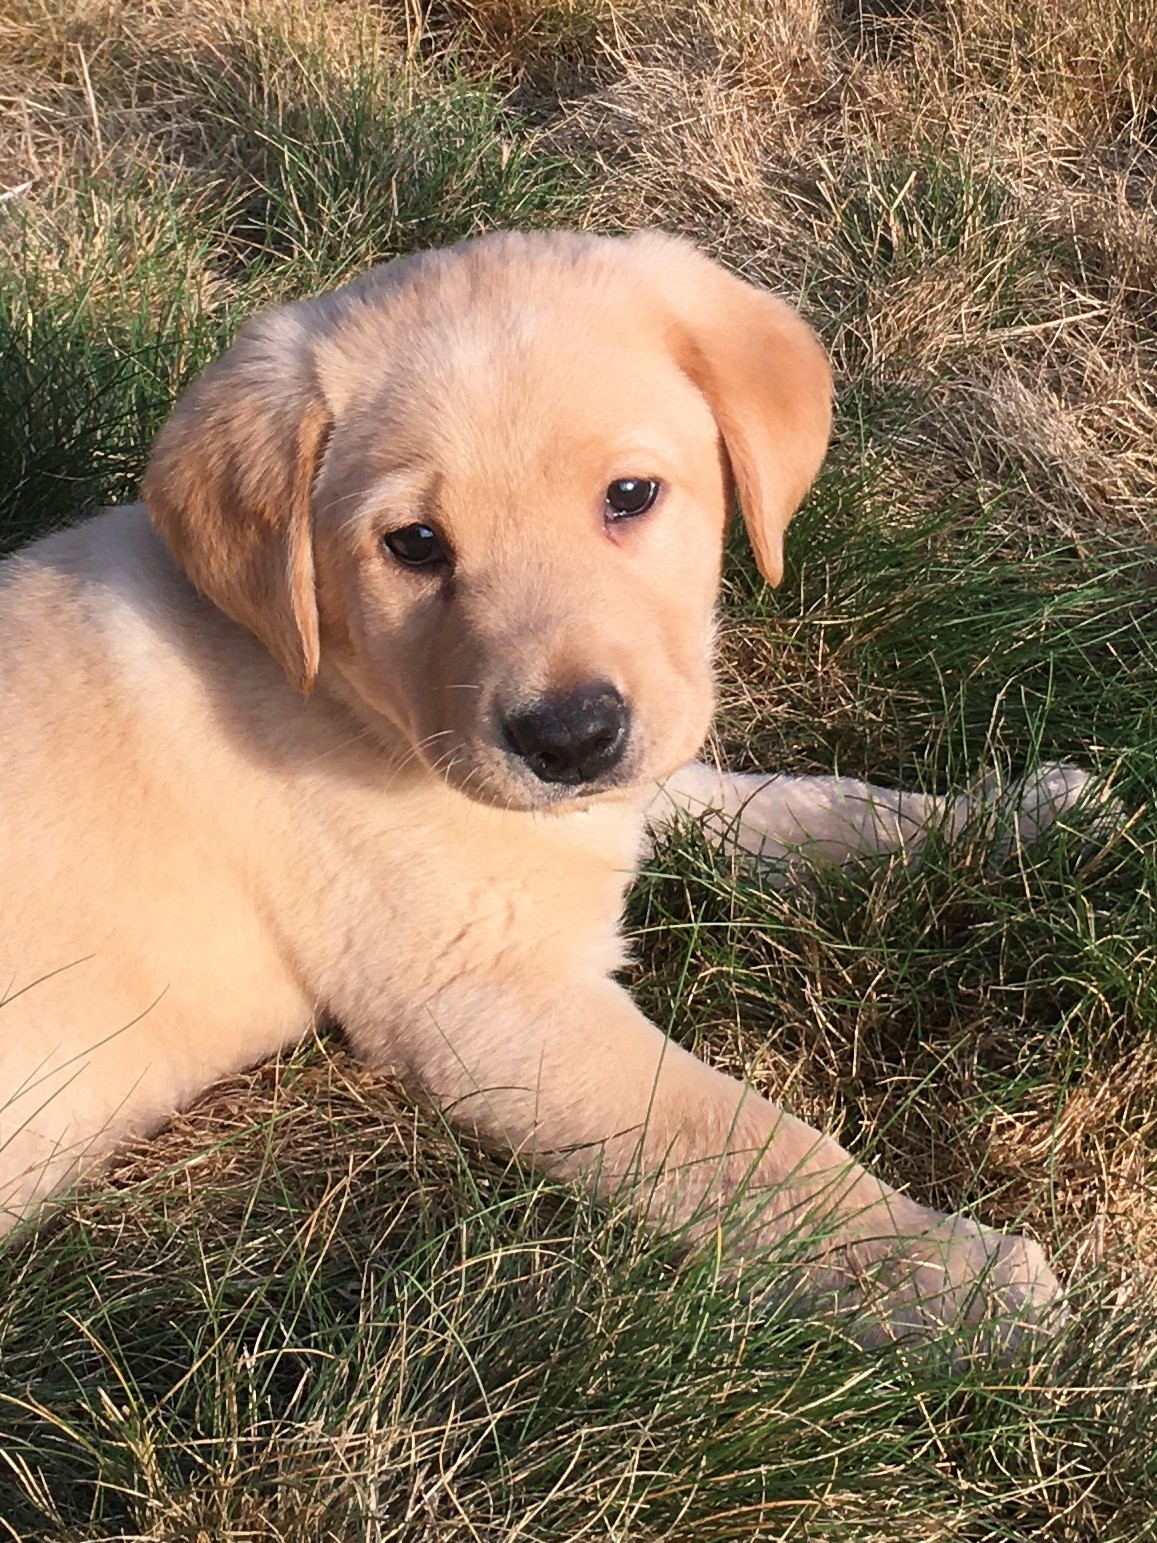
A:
229,486
765,376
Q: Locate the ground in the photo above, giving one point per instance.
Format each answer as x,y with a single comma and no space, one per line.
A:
308,1311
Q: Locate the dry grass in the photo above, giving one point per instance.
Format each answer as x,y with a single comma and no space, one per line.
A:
961,193
306,1312
964,224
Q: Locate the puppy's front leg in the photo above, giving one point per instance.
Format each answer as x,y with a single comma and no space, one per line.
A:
833,819
578,1082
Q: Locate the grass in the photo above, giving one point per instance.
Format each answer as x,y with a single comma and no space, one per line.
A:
355,1328
308,1310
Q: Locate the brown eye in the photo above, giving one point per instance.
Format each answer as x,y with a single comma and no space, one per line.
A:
417,546
630,496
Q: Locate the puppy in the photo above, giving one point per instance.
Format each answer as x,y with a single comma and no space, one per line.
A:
367,709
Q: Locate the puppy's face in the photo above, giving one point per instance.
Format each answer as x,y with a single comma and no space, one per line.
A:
518,550
496,518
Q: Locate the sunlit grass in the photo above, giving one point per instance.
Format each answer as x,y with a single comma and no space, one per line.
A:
308,1311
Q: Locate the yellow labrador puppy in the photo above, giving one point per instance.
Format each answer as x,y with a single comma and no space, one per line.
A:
365,710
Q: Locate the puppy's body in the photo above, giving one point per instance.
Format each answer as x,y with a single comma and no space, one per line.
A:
307,786
132,940
204,845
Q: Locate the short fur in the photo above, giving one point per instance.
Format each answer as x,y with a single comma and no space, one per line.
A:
252,769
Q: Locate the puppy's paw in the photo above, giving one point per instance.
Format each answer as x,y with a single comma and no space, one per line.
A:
1053,790
1018,813
992,1288
961,1273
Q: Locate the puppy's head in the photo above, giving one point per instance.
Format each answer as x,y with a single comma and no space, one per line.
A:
481,493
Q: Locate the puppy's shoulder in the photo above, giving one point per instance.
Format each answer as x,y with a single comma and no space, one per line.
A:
100,612
111,562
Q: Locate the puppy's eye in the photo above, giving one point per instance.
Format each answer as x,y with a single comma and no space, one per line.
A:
630,496
417,546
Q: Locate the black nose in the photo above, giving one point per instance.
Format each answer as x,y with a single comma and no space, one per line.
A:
572,737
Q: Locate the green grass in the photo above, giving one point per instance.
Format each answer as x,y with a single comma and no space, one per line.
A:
360,1329
316,175
308,1311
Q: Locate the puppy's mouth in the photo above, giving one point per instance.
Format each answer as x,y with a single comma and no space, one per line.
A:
504,786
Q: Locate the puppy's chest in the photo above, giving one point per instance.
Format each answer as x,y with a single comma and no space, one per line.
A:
431,895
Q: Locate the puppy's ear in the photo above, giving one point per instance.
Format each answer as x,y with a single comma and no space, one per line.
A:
229,486
765,375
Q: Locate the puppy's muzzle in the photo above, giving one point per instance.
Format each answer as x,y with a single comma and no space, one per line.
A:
573,737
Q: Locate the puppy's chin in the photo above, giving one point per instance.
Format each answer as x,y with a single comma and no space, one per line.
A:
489,775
